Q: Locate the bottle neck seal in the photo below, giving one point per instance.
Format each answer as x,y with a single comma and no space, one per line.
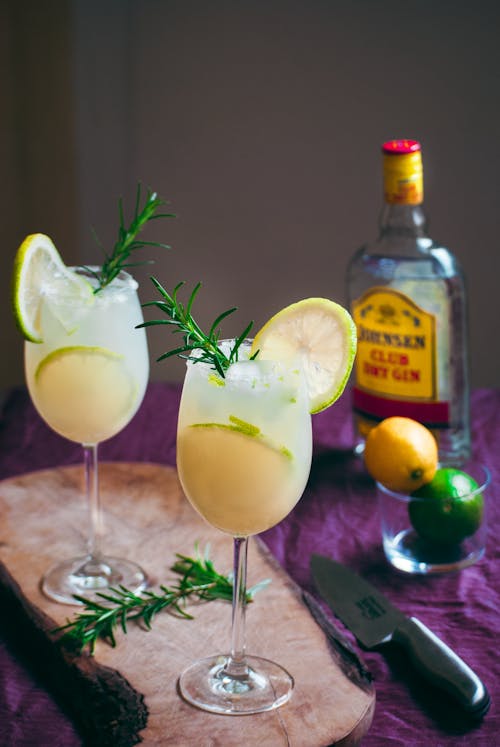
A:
403,173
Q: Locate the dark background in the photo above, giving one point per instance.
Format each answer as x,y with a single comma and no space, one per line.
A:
261,121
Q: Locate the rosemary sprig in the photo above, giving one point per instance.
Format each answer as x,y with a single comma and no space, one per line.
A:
198,580
128,241
182,321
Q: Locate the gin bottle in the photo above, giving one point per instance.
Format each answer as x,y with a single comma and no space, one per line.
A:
407,296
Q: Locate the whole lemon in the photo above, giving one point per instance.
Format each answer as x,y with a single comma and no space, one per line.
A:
401,453
448,509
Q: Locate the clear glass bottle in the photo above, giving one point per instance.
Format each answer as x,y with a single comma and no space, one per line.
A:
407,296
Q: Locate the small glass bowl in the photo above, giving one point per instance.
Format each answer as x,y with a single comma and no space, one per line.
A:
409,551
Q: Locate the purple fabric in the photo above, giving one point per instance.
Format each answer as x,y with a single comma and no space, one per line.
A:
337,516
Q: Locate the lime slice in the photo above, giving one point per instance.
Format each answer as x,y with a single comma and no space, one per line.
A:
247,429
322,336
41,275
85,393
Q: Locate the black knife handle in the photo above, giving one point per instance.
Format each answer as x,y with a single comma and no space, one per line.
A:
436,661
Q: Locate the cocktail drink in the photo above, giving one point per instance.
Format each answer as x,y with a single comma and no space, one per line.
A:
87,379
87,367
88,382
243,455
244,442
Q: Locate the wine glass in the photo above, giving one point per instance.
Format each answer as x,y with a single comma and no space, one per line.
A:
243,455
87,383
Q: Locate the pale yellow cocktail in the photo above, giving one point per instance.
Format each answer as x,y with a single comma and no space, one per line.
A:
88,382
87,378
87,367
244,443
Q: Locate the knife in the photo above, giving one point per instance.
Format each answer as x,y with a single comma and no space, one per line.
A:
374,621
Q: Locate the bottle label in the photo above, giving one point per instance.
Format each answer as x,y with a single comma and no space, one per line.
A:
396,361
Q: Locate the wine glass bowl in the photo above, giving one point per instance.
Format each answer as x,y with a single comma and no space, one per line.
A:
87,382
244,449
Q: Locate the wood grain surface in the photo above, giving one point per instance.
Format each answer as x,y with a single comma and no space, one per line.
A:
128,694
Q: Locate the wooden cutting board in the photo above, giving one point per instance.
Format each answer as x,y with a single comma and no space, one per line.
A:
129,694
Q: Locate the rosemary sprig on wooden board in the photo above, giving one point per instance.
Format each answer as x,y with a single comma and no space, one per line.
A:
198,580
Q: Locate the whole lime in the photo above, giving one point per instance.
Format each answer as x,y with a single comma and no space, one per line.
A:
447,509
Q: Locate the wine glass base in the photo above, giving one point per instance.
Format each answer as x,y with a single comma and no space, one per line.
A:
88,579
262,685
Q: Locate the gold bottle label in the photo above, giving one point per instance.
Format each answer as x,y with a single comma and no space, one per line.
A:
396,361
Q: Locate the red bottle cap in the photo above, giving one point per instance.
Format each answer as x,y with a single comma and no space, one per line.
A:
400,147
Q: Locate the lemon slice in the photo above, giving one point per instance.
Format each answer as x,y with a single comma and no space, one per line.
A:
322,336
41,275
85,393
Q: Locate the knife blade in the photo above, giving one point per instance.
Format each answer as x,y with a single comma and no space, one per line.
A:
375,621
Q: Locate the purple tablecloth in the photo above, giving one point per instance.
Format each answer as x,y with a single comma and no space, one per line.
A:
337,516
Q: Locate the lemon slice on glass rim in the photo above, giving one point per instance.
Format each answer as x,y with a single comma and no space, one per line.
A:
321,335
40,275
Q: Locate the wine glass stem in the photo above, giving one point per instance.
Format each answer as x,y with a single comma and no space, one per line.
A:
236,666
93,501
